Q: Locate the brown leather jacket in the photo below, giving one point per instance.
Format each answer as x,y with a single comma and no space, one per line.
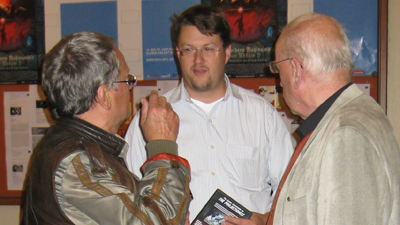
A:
77,176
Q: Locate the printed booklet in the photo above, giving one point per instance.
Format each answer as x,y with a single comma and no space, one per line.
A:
219,205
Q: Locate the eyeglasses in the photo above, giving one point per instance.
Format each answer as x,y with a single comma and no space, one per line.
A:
206,51
273,67
130,80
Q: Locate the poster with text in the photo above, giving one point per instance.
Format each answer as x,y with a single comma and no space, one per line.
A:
21,41
26,120
255,26
158,57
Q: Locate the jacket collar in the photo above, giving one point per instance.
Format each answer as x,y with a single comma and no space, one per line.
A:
111,144
313,120
349,94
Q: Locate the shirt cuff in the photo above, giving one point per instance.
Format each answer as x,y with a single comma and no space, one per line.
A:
161,146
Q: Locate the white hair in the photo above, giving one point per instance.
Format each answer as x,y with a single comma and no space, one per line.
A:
319,42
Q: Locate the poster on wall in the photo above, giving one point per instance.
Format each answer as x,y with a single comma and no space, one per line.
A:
26,120
255,26
100,17
21,41
158,55
359,19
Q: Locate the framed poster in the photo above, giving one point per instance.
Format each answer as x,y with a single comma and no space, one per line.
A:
255,26
100,17
21,41
360,20
158,55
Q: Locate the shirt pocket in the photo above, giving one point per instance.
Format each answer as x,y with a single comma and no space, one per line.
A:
243,165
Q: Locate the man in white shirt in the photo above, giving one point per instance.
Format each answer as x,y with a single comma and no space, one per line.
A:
234,139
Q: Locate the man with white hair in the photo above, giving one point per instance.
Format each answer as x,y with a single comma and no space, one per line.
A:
346,169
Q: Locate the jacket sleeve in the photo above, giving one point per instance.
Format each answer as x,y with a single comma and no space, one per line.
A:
162,197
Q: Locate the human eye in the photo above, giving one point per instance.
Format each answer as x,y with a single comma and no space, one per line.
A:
188,50
209,50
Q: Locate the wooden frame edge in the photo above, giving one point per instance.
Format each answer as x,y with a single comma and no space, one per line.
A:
382,52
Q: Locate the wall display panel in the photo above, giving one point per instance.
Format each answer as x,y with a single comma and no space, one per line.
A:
255,27
100,17
21,41
360,20
119,19
158,55
25,121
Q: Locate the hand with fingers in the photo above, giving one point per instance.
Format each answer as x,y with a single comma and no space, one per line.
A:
255,219
158,121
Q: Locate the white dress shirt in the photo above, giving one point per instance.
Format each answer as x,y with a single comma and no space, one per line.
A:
241,147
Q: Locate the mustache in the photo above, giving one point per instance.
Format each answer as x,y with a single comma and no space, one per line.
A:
197,67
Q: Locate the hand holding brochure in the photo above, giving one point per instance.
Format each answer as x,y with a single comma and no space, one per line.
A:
219,205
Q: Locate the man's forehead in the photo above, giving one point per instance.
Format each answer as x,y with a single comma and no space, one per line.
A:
278,46
118,53
189,29
122,63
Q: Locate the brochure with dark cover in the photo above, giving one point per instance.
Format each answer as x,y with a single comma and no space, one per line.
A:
219,205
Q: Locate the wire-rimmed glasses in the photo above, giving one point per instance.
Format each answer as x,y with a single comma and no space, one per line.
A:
206,51
273,67
130,80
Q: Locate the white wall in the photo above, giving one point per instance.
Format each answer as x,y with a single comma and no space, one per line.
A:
9,215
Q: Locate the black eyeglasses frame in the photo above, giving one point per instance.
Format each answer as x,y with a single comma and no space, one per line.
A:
131,80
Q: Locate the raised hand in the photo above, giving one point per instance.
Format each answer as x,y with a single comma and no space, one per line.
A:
158,121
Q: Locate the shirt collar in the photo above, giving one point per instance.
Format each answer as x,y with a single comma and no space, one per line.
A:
180,93
312,121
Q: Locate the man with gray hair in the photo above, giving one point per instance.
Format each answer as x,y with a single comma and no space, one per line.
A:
346,170
77,173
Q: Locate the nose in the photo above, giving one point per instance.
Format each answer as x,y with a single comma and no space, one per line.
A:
198,56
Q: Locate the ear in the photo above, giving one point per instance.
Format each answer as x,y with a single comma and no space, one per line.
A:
103,97
228,52
298,72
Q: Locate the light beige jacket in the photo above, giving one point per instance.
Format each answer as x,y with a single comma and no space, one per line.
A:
349,170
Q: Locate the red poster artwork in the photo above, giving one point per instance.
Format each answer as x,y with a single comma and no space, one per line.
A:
255,26
21,40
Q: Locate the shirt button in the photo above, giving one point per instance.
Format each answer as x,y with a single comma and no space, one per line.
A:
212,173
210,120
212,146
288,199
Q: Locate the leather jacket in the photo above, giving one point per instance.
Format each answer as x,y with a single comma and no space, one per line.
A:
77,177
